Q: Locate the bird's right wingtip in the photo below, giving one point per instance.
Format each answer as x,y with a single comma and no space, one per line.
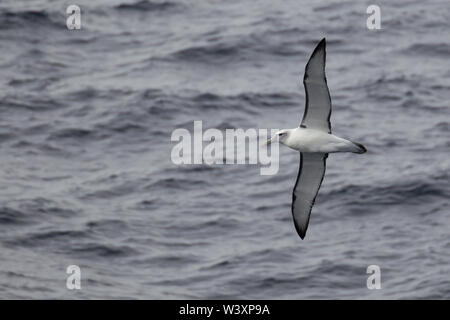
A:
322,43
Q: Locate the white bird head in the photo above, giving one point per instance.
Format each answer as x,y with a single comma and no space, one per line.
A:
279,137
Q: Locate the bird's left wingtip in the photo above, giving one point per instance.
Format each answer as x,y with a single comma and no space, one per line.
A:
300,231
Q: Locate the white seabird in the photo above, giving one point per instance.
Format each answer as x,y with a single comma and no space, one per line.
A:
313,139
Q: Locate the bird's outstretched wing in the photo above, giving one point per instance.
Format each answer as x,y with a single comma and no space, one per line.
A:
309,179
318,102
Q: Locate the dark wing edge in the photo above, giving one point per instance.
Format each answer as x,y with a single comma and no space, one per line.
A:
320,48
309,179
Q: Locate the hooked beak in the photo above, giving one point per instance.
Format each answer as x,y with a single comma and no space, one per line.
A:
268,142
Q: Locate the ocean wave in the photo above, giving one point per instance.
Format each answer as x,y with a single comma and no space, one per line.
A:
396,193
49,238
95,250
10,216
169,261
154,106
145,5
443,126
256,46
120,190
106,227
254,99
175,183
216,53
27,19
72,133
35,211
31,102
428,49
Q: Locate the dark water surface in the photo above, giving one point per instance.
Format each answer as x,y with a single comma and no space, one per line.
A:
85,123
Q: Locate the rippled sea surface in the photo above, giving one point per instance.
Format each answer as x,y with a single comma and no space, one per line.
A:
86,176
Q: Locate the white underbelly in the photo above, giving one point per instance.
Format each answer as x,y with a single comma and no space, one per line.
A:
310,140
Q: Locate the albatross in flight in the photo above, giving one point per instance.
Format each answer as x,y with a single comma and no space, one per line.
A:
313,139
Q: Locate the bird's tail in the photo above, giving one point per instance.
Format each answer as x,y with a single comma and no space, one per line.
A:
358,147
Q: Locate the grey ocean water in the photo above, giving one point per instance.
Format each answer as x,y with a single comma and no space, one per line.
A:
86,177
